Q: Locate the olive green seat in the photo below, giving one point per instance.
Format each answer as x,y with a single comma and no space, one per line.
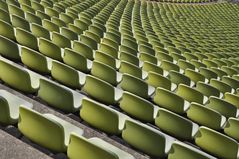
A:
175,125
231,128
195,76
147,139
75,29
50,92
157,80
4,15
216,143
183,64
42,128
137,86
190,94
232,98
67,75
50,49
107,59
13,9
208,90
131,69
82,148
129,58
32,18
50,26
35,60
81,24
110,42
102,117
9,49
169,66
109,50
91,42
68,33
94,87
219,72
6,30
225,108
209,74
229,70
20,22
42,15
206,116
105,73
18,77
221,86
182,150
138,107
9,105
147,57
147,66
60,40
171,101
26,38
83,49
127,49
77,60
231,82
39,31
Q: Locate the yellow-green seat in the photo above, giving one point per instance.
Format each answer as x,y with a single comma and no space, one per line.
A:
9,49
231,128
26,38
216,143
6,30
42,128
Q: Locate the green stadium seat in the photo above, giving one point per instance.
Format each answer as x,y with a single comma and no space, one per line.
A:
214,143
26,38
7,30
10,104
107,59
232,127
131,69
20,22
49,92
182,150
104,118
56,130
205,116
18,77
232,98
147,139
83,49
39,31
208,90
94,86
171,101
94,148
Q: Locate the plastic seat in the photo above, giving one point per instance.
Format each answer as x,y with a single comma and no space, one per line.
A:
56,130
94,86
138,107
157,80
129,58
195,76
171,101
75,29
4,15
219,72
50,26
231,128
50,49
149,67
13,9
67,75
147,57
18,77
147,139
60,40
81,24
92,148
20,23
105,118
223,107
105,73
107,59
6,30
229,70
127,49
76,60
209,74
42,15
208,90
109,50
221,86
175,125
83,49
184,65
205,116
49,92
10,104
191,94
35,60
232,98
26,38
169,66
231,82
66,32
131,84
32,18
182,150
133,70
39,31
214,143
89,40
